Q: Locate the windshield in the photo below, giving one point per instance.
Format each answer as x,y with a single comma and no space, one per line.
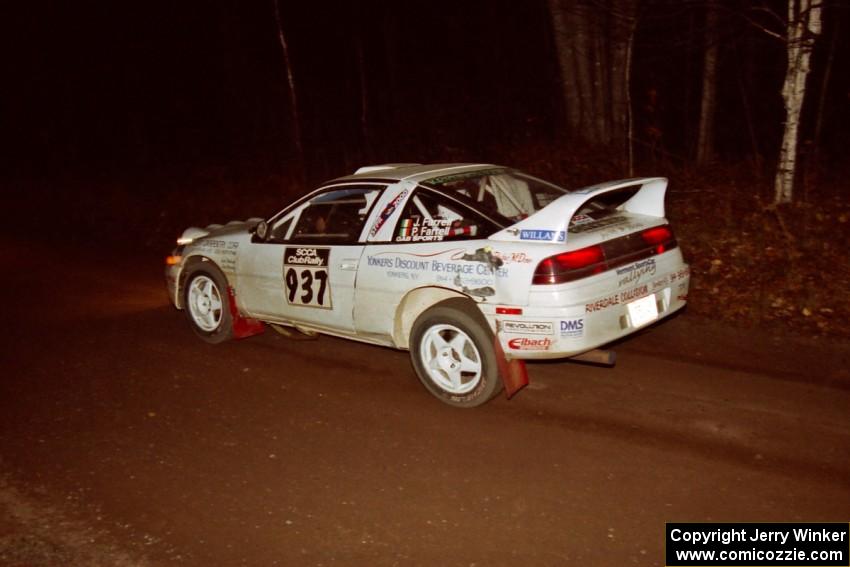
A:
505,195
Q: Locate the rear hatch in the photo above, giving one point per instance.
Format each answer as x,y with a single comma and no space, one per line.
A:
597,228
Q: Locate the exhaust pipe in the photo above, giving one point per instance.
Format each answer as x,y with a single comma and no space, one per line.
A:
597,356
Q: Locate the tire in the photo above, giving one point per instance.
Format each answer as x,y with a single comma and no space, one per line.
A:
451,347
207,305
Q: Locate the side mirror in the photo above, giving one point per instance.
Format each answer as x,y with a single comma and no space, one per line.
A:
261,231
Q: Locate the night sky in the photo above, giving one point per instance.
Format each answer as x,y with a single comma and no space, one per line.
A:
100,87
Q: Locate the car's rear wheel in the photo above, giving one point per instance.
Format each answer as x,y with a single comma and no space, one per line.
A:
207,305
451,347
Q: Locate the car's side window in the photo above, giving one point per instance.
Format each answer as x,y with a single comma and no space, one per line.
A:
430,217
335,216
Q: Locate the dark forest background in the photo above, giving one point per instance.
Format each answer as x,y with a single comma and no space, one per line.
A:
106,86
130,120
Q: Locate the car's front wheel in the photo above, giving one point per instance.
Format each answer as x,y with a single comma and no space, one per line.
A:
451,347
207,306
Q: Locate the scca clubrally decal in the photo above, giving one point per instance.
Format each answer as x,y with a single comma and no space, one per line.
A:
305,273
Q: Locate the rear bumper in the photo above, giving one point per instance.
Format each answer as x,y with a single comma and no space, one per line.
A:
561,331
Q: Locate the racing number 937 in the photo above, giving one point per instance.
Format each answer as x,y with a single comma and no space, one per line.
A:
305,272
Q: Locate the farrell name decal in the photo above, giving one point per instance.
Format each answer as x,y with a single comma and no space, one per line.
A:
423,230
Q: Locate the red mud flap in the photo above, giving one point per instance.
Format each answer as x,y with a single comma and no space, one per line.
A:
513,373
242,326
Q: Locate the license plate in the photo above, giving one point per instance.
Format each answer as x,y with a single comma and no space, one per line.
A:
642,311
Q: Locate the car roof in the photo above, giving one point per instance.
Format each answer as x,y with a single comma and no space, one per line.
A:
415,172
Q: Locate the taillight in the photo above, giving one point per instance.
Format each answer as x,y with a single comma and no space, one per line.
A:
609,255
660,238
570,266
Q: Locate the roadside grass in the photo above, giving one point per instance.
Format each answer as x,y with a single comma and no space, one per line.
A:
36,533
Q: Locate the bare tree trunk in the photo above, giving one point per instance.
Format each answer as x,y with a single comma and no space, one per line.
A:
296,119
623,25
804,24
705,141
565,45
580,22
827,75
601,97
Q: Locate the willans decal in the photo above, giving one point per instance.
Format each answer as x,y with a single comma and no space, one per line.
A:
543,235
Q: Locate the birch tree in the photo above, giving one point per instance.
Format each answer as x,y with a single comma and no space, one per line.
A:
804,25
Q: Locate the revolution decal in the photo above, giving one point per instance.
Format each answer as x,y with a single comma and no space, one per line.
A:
528,327
305,274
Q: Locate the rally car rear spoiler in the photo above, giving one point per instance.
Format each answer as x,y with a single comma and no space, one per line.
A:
550,224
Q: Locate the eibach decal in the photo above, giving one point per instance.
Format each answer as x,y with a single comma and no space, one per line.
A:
387,212
529,343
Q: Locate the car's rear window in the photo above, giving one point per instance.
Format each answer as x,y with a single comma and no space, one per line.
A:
504,195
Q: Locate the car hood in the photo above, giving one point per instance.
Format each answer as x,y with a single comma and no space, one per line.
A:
194,233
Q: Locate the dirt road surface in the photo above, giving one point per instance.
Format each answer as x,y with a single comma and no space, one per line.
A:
124,440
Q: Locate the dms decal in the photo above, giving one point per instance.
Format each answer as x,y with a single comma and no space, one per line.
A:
572,328
387,212
525,343
305,275
528,327
633,273
543,235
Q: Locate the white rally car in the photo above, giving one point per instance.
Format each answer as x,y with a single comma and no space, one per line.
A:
471,267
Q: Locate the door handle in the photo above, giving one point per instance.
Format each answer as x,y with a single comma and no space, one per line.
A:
349,264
